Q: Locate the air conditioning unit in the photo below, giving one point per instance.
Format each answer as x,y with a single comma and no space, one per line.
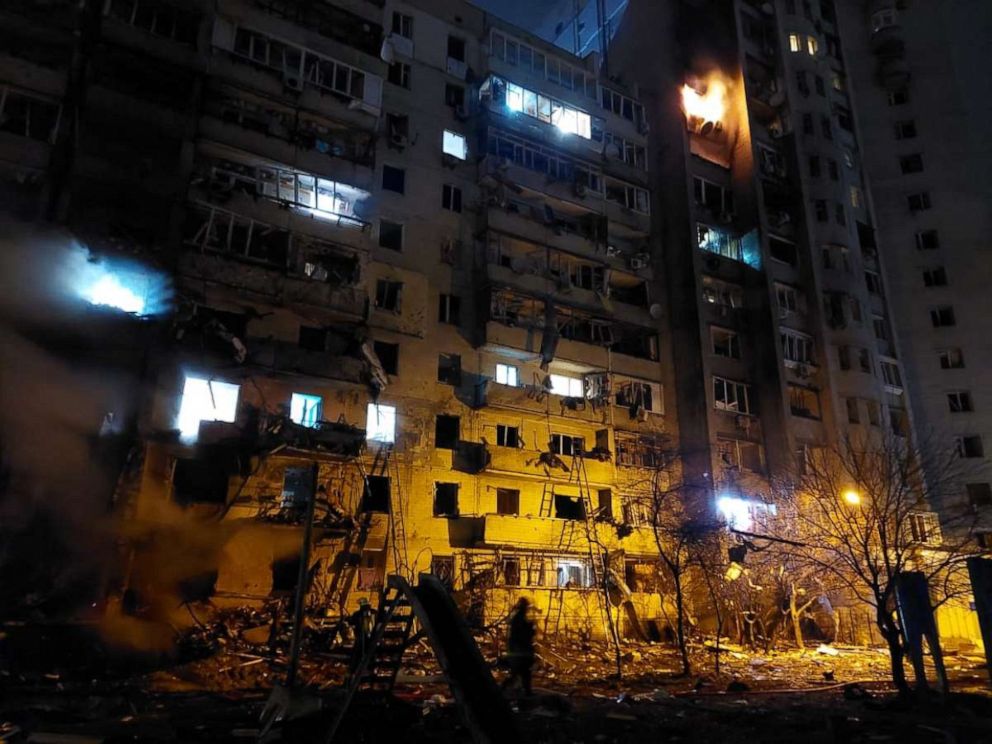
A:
292,81
640,261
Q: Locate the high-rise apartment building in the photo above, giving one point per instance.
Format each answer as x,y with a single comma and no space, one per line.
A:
776,282
923,105
415,279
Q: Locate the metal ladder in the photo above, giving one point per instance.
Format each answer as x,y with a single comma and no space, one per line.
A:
374,671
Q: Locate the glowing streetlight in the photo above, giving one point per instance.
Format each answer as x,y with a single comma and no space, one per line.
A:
852,497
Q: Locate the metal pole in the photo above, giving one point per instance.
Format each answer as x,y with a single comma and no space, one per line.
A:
301,580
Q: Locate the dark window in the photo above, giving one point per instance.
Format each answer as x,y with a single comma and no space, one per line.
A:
564,444
398,128
605,505
979,494
919,202
568,507
942,316
970,446
840,215
391,235
393,179
446,431
389,356
399,74
782,250
507,436
454,95
443,567
313,339
826,128
935,277
808,124
403,24
911,163
375,496
832,169
844,120
814,166
387,295
456,48
507,501
200,480
297,486
449,369
285,574
821,88
927,240
445,499
451,198
951,359
820,210
449,309
899,97
511,572
960,402
906,129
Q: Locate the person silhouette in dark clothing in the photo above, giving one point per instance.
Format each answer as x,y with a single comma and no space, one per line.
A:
520,646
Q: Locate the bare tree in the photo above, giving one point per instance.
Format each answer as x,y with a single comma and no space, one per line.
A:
863,511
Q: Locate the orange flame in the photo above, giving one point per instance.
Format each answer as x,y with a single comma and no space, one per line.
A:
708,105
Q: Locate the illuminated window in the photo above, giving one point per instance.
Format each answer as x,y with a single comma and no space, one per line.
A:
795,43
567,386
740,513
506,375
380,425
812,45
455,145
205,400
306,410
518,99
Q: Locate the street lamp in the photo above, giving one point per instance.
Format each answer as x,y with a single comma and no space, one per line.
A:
852,497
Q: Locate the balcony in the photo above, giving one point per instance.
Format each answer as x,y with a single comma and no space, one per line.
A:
504,170
536,399
282,356
888,42
274,284
535,532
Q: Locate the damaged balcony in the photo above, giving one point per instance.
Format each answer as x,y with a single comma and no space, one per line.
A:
521,463
277,194
536,396
572,280
271,263
524,323
316,81
288,134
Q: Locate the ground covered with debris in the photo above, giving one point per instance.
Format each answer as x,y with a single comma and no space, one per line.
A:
215,689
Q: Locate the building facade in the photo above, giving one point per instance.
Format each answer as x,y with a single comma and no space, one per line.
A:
415,285
922,106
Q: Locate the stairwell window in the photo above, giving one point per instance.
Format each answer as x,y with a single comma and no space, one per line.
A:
393,179
449,309
911,163
380,423
919,202
960,402
891,375
451,198
969,445
730,396
726,343
399,74
942,316
951,359
804,402
935,277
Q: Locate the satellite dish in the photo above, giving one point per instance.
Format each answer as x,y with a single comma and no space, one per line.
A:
656,311
387,54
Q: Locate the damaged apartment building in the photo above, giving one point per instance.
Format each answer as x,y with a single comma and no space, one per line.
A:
417,287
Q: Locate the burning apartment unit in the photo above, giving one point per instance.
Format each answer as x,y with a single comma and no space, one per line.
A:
417,294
